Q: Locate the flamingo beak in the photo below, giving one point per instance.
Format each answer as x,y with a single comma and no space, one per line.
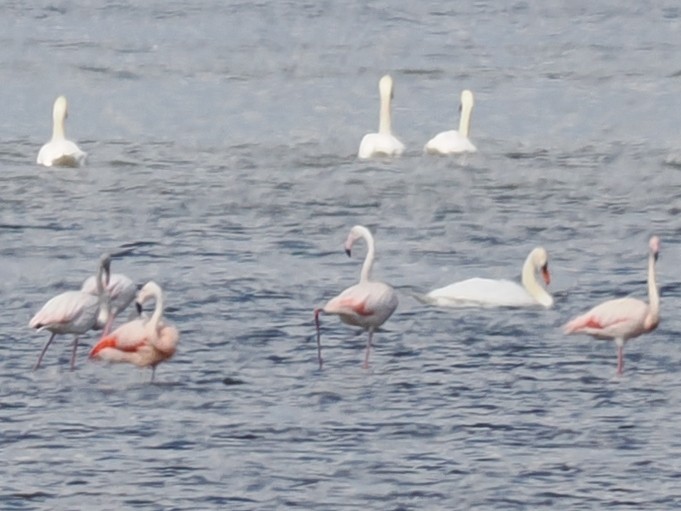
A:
546,275
138,306
348,252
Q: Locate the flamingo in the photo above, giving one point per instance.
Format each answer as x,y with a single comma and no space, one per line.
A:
73,312
383,143
121,291
452,141
367,304
622,319
59,151
499,293
144,342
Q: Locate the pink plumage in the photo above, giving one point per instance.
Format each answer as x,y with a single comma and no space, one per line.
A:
367,304
144,342
623,318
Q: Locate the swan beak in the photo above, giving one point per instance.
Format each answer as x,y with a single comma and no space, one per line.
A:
348,252
546,275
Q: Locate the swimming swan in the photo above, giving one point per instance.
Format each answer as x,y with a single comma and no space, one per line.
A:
384,142
59,151
499,293
452,141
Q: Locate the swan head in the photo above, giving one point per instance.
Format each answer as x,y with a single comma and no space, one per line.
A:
385,87
540,261
654,246
467,100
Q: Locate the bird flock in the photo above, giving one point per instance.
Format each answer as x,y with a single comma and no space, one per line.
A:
146,341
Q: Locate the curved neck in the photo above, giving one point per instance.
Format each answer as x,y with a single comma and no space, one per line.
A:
158,309
102,293
368,264
384,119
534,289
465,121
653,293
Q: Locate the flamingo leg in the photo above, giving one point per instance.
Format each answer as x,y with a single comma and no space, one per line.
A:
620,356
42,353
317,312
366,355
73,353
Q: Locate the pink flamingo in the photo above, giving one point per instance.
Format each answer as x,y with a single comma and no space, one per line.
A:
73,312
367,304
121,291
623,318
144,342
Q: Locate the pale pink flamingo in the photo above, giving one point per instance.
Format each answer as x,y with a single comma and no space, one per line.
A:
367,304
121,291
623,318
144,342
73,312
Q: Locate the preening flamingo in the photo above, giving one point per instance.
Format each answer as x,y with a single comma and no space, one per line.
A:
499,293
623,318
73,312
121,291
367,304
144,342
383,143
452,141
59,151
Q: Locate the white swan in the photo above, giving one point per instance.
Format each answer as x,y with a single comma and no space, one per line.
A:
59,151
452,141
384,142
499,293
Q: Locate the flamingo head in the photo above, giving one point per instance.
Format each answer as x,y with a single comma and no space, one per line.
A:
654,246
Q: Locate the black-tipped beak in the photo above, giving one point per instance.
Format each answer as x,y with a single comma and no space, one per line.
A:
138,306
348,252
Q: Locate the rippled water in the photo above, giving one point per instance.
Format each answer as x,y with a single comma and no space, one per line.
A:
222,143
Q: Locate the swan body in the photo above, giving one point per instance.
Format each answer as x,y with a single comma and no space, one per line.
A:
144,342
59,151
453,141
367,304
622,319
383,143
481,292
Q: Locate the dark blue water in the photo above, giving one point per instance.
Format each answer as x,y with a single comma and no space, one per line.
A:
222,142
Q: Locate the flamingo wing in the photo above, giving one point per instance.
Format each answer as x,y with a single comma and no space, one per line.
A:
623,317
69,309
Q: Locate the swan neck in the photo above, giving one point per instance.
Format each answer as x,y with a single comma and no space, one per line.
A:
465,120
384,121
533,288
58,128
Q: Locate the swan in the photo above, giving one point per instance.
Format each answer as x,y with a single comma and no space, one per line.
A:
452,141
59,151
384,142
499,293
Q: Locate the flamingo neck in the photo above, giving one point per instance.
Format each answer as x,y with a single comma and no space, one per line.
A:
102,292
158,309
365,275
533,288
653,295
465,121
384,122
